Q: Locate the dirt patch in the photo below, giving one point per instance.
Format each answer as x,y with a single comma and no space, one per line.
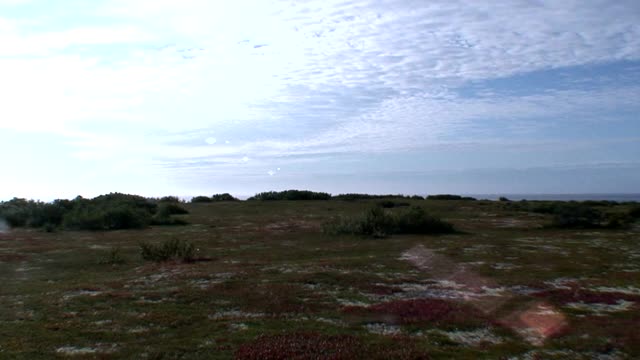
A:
418,311
317,346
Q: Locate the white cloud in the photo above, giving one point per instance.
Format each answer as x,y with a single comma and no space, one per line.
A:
290,79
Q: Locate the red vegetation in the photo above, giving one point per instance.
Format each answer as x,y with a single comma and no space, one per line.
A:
564,296
301,346
419,310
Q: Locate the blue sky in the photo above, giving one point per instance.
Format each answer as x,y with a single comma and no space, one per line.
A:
193,97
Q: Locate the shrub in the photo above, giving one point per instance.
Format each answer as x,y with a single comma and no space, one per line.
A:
223,197
378,223
168,209
201,199
353,197
576,215
388,204
449,197
291,195
503,199
172,249
170,199
113,258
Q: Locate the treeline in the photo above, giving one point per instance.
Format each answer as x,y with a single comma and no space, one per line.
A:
214,198
106,212
290,195
312,195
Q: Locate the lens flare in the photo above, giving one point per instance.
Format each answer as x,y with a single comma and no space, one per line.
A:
4,226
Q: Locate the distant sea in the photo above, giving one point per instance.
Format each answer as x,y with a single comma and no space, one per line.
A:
561,197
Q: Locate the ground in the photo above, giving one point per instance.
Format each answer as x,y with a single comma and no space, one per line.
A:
268,284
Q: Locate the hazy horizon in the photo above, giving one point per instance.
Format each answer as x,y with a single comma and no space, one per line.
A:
196,97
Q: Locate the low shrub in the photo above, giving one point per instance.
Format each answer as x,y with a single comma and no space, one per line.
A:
113,258
173,249
353,197
291,195
171,209
170,199
388,204
201,199
449,197
223,197
576,215
377,222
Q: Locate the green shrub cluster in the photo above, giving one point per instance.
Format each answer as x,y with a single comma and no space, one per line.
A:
449,197
113,258
223,197
377,222
573,214
173,249
106,212
353,197
291,195
388,204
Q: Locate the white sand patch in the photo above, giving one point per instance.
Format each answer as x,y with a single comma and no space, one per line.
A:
72,350
138,330
335,322
238,327
98,247
383,329
505,266
86,350
562,283
345,302
74,294
27,268
235,314
629,290
599,309
474,337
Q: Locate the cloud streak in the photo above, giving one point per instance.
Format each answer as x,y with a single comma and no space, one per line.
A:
160,85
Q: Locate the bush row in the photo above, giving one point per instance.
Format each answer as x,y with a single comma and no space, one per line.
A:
377,222
106,212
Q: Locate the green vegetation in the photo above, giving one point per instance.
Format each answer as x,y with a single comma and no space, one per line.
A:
113,258
223,197
449,197
290,195
201,199
377,222
280,286
172,249
353,197
113,211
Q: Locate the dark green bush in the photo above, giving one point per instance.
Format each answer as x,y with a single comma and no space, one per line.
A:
377,222
388,204
291,195
114,257
223,197
576,215
449,197
167,209
201,199
353,197
172,249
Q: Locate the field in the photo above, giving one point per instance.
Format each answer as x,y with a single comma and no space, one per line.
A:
267,283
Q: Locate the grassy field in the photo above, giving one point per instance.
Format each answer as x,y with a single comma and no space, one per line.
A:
268,284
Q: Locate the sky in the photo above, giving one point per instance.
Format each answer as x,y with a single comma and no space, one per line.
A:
196,97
